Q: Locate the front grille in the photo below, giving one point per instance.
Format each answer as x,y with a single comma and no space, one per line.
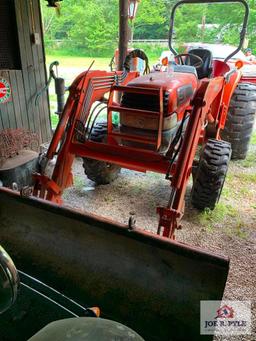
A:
144,102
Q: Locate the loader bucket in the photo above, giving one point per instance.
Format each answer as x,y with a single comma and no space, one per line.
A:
149,283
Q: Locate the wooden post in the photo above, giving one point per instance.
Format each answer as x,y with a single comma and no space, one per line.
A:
123,32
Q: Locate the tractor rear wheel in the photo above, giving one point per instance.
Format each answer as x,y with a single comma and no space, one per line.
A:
210,174
100,172
240,120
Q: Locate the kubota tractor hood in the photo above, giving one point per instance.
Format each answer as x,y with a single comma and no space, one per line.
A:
167,80
181,87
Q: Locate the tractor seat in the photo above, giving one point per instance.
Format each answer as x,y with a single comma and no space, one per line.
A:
205,70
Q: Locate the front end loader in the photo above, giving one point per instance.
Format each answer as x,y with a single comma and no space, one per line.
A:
147,281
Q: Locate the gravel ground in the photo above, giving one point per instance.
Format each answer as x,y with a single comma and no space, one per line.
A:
229,230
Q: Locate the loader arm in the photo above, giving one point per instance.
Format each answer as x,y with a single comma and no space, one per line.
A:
86,89
205,96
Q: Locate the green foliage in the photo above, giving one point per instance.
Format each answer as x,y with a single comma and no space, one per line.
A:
153,51
250,160
246,177
213,23
54,120
211,218
220,217
90,28
152,21
78,182
253,138
85,28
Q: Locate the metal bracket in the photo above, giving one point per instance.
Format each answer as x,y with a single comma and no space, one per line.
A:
26,191
169,221
132,221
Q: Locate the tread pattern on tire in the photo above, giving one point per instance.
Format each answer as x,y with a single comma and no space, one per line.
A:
100,172
99,132
240,119
210,175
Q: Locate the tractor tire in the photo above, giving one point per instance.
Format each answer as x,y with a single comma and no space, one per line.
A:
102,173
210,174
240,120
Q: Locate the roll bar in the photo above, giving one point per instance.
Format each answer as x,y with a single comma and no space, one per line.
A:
242,32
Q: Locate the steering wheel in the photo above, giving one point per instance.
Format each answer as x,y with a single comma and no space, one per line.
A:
9,281
189,59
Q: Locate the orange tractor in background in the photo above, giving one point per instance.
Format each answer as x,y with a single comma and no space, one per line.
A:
164,118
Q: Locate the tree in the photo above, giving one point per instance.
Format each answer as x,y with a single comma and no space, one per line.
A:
90,27
86,27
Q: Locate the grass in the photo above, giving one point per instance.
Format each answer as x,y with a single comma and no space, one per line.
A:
108,198
250,160
53,108
253,138
246,177
238,229
79,62
79,182
238,186
224,216
54,120
210,218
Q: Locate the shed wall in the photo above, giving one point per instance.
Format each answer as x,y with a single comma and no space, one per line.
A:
21,111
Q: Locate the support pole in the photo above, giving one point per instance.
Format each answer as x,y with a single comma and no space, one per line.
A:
123,32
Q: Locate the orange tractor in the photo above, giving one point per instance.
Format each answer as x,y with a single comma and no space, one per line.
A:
164,118
68,261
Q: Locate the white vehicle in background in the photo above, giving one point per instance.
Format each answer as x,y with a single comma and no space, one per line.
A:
220,51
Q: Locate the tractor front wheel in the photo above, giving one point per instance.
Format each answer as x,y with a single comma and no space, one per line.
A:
240,119
100,172
210,175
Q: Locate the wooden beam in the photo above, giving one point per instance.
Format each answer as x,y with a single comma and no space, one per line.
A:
123,32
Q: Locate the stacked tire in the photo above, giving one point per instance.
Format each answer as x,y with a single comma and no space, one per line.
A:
240,120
